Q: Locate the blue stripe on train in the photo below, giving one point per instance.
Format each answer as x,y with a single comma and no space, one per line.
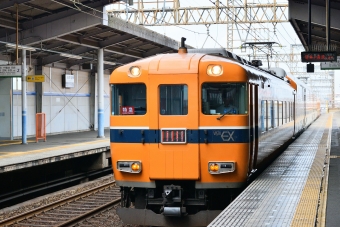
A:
193,136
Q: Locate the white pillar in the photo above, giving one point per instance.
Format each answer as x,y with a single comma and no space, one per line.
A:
24,97
100,74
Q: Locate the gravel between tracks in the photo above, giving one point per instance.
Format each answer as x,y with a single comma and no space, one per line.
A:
105,219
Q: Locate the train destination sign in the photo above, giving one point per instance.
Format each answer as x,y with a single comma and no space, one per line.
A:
10,70
318,56
35,78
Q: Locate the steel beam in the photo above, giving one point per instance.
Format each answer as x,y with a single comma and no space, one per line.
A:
218,14
9,4
56,57
142,32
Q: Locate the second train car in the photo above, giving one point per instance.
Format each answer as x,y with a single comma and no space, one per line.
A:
188,129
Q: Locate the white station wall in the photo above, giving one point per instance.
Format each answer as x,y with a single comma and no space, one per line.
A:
66,109
5,108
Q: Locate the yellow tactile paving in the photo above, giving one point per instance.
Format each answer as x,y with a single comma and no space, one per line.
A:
289,191
310,210
11,142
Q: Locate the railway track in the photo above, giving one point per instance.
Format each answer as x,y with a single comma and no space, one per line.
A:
70,210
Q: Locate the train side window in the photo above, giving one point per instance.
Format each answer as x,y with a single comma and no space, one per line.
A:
173,99
128,99
284,112
263,115
224,98
288,111
279,109
292,111
276,116
271,114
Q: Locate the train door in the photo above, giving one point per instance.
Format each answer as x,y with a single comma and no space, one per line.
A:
294,111
253,126
175,116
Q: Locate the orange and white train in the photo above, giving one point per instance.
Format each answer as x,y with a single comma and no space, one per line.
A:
188,130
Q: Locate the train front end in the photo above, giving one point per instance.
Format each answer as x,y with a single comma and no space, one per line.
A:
174,153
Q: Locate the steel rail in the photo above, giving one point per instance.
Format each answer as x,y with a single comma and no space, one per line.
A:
88,214
38,210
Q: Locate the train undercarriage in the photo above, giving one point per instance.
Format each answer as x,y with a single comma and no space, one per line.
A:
173,203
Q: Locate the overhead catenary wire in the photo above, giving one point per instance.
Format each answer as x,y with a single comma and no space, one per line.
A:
95,10
261,34
162,18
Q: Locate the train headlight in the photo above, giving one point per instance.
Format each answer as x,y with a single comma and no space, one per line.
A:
213,167
134,71
221,167
135,166
215,70
129,166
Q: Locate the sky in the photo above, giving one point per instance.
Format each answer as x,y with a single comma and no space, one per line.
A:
197,35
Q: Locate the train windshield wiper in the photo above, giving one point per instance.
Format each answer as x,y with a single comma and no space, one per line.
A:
220,117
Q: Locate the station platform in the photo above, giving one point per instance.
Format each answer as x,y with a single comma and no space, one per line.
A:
14,155
300,188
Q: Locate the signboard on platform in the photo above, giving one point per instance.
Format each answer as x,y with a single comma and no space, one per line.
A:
67,80
10,70
35,78
330,65
318,56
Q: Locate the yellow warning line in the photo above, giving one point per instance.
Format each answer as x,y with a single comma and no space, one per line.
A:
20,153
11,142
309,212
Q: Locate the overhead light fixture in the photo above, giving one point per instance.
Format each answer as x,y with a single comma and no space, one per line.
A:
109,63
71,56
11,45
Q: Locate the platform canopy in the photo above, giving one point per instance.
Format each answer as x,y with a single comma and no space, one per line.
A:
75,28
299,18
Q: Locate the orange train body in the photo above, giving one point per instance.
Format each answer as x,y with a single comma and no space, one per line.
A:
177,152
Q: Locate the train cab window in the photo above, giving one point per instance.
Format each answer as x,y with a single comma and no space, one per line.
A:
128,99
224,98
173,99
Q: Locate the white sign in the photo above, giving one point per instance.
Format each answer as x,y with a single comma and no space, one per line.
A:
330,65
337,85
69,80
10,70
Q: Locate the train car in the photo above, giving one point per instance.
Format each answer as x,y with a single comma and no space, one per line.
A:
188,130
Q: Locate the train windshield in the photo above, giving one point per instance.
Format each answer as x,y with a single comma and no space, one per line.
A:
224,98
173,99
128,99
